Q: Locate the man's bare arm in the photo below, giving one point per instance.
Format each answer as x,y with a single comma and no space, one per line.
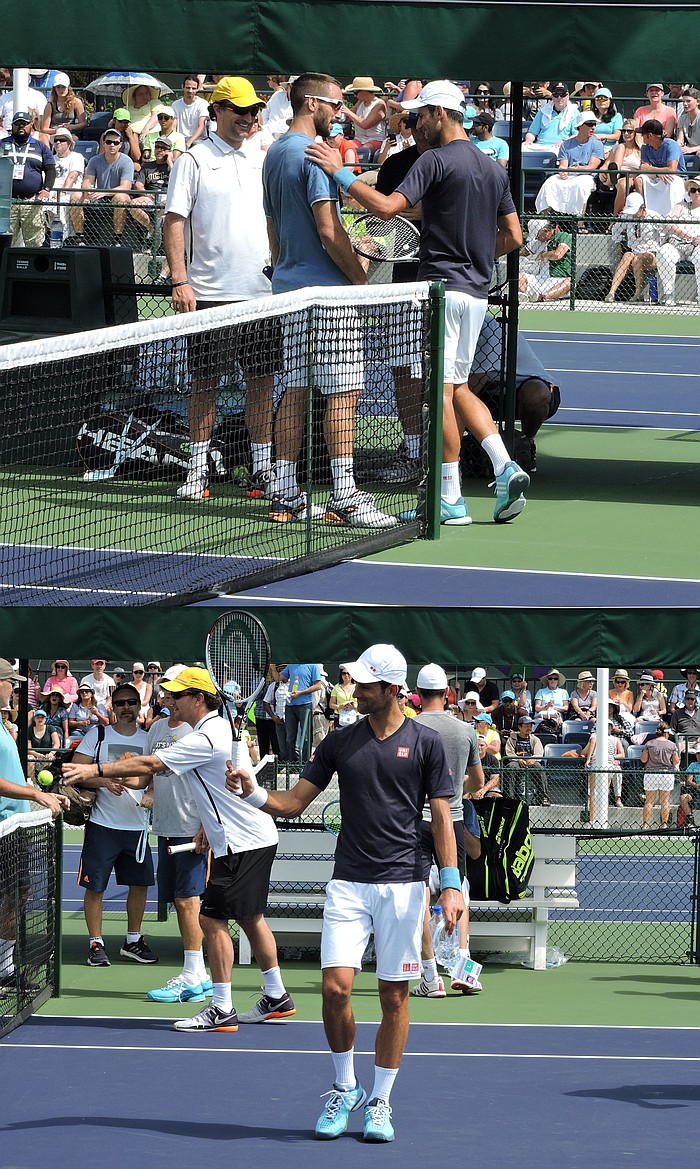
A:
509,233
336,242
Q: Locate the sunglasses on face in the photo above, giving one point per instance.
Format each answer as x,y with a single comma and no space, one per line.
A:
112,142
137,671
337,104
126,702
61,665
228,105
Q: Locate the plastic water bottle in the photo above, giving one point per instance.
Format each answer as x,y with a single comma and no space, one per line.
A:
445,946
56,233
653,290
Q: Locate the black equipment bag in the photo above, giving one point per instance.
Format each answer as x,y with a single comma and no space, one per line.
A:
502,871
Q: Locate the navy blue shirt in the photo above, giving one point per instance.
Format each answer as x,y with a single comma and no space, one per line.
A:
38,163
384,784
462,195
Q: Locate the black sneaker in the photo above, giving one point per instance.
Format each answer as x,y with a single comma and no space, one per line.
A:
97,955
138,952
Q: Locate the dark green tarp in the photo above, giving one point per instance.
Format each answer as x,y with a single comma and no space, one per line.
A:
617,41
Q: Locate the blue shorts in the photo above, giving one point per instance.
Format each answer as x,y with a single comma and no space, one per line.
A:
182,875
105,849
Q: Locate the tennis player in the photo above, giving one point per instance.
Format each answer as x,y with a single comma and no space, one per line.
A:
387,766
242,840
469,218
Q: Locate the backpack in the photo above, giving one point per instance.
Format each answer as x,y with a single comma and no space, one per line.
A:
81,798
502,871
143,445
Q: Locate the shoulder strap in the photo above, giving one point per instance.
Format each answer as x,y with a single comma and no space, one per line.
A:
100,741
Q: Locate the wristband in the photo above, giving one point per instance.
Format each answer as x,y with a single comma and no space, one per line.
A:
449,879
179,283
100,772
257,798
345,178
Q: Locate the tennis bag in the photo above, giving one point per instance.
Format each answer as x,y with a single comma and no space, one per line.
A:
81,799
146,445
502,871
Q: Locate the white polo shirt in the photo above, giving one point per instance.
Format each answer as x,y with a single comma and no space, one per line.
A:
218,191
228,822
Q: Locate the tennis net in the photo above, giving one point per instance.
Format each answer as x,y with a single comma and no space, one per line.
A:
95,441
29,911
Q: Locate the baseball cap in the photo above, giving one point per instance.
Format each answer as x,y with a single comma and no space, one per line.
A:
482,717
191,678
126,686
161,109
22,116
173,672
335,130
508,694
655,85
524,718
587,118
437,93
632,203
379,663
431,677
478,674
237,90
61,79
154,665
8,672
63,133
39,714
122,115
484,119
118,672
517,675
603,92
138,666
560,88
691,694
162,142
658,675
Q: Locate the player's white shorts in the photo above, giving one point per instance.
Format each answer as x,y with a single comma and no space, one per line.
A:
538,285
394,912
330,354
464,316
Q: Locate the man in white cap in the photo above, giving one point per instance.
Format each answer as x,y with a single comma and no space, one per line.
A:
469,218
387,767
467,773
487,691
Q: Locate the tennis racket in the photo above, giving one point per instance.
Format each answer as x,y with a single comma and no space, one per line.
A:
126,449
143,838
384,239
331,819
237,654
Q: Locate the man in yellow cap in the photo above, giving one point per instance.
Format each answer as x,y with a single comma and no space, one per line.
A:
243,840
217,248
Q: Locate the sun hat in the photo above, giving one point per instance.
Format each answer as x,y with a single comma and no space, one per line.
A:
362,83
585,676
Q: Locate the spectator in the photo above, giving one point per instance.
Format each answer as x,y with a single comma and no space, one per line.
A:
61,680
657,111
660,759
488,742
265,731
36,104
100,682
623,160
304,679
483,137
191,111
567,192
650,703
111,171
346,146
554,121
64,109
523,697
70,166
686,719
552,700
523,753
469,707
130,144
609,125
584,94
620,693
505,717
369,114
278,113
43,742
342,701
688,137
399,137
405,91
152,179
539,91
692,782
276,697
583,703
56,710
661,191
484,98
554,278
319,706
141,101
643,239
677,697
682,242
143,688
616,752
85,713
167,129
487,691
33,176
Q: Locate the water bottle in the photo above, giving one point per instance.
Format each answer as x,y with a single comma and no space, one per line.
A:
445,946
653,290
56,233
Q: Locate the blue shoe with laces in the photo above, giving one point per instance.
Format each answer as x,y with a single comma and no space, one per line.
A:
378,1126
333,1121
510,485
176,990
451,514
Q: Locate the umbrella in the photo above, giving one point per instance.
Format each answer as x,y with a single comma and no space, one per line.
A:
112,84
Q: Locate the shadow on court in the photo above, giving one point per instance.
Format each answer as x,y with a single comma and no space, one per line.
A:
653,1096
190,1129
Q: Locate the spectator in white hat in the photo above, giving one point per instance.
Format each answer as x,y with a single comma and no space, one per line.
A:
64,108
487,691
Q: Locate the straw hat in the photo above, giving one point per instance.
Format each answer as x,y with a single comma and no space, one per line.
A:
362,83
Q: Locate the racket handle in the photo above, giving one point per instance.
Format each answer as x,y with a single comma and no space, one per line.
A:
175,848
240,755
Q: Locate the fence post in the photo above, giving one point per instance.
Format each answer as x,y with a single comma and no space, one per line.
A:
435,405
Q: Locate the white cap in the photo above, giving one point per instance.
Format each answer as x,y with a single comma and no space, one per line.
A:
62,79
431,677
632,203
437,93
586,116
478,674
472,694
138,666
174,672
379,663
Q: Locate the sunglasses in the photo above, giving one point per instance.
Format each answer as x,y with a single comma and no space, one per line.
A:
137,671
484,92
61,665
228,105
113,141
126,702
469,702
329,101
628,130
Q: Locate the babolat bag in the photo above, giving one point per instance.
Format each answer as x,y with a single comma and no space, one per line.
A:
502,871
142,445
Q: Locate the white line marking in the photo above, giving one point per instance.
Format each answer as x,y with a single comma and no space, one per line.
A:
584,339
393,564
622,372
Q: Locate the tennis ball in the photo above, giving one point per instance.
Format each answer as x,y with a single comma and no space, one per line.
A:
44,778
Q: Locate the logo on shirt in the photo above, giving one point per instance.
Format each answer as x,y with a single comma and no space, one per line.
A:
403,752
410,968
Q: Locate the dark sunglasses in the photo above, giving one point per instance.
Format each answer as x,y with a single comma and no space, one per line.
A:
126,702
469,702
228,105
164,117
137,671
61,665
113,141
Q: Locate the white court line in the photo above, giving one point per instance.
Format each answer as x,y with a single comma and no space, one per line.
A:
608,373
665,414
393,564
584,339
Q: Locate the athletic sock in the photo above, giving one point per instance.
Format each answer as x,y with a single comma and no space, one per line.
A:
97,938
450,489
191,966
495,449
221,997
343,478
411,445
132,937
272,983
464,952
287,479
261,453
344,1064
383,1082
199,452
429,969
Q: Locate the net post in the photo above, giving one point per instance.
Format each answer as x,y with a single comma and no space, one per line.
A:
435,407
58,910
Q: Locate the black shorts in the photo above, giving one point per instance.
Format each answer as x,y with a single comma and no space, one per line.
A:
105,849
428,857
238,884
256,346
14,867
491,396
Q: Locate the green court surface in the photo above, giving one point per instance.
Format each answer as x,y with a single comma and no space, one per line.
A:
635,321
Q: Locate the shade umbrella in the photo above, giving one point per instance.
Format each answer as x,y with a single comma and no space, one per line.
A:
112,84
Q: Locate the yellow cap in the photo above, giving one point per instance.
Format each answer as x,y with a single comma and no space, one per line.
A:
191,678
238,91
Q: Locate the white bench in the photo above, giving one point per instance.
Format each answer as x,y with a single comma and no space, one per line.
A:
304,864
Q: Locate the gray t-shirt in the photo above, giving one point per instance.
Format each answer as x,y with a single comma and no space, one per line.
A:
691,130
109,175
174,807
459,741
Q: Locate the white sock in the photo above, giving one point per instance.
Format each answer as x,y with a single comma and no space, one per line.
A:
429,969
272,983
495,449
262,456
464,951
221,997
411,443
97,938
7,965
287,479
199,452
383,1082
344,1064
451,489
131,937
190,967
343,478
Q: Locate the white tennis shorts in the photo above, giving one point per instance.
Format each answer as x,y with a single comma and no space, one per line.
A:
464,316
393,912
329,354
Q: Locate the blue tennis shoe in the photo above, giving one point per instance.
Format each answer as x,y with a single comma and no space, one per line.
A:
451,514
333,1121
176,990
378,1126
510,485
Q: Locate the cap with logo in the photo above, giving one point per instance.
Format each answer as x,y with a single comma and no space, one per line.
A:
478,674
560,89
62,79
431,677
437,93
191,678
122,115
237,90
379,663
173,672
508,694
22,116
482,717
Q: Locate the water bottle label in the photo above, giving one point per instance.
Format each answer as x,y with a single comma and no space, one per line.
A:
464,970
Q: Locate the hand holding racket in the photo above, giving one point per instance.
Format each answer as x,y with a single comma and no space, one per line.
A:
237,654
